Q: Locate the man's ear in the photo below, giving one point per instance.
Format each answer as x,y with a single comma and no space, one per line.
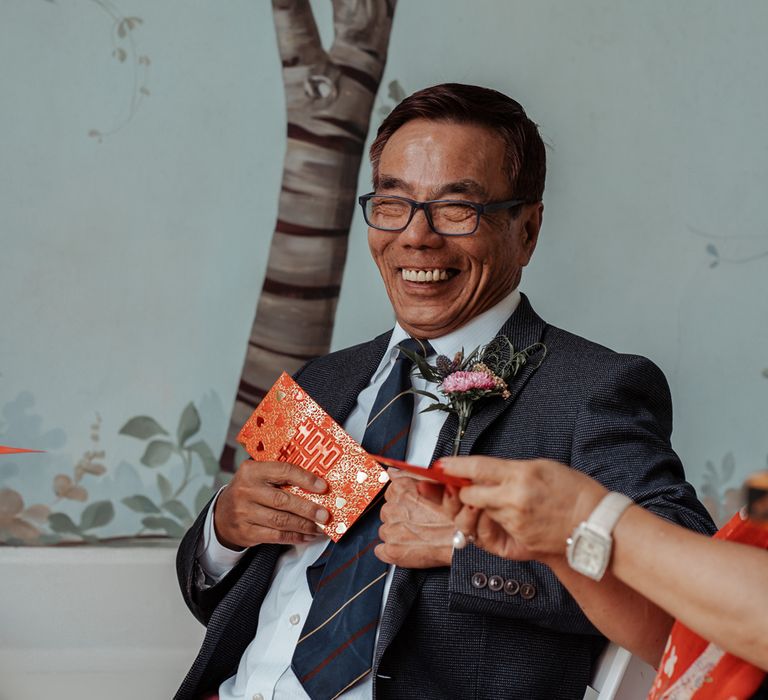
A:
532,216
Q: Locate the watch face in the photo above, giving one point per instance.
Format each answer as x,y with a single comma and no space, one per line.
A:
590,554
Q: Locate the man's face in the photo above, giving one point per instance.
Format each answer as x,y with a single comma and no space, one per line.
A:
426,160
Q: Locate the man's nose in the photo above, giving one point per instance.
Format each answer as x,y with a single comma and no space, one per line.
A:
418,233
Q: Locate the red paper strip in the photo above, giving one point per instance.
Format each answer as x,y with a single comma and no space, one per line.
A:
14,450
434,473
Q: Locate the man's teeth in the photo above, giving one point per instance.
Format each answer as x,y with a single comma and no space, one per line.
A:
424,275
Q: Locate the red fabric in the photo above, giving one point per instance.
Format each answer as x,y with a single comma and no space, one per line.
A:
694,669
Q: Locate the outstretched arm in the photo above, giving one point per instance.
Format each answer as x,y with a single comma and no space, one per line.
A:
530,508
526,510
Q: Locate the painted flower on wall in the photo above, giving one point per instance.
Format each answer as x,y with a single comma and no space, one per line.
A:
16,522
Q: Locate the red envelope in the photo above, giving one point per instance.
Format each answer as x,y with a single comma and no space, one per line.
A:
288,426
434,473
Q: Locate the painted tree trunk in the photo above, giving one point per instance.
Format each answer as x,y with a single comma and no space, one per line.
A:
329,97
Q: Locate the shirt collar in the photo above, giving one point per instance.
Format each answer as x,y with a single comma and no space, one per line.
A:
479,331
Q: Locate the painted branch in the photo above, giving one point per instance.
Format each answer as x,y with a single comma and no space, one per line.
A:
329,98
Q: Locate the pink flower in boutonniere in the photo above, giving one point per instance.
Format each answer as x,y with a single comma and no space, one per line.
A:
477,380
484,373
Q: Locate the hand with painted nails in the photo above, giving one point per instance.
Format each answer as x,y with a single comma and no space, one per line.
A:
253,509
522,509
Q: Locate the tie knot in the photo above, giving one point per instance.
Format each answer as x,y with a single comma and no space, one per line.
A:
420,347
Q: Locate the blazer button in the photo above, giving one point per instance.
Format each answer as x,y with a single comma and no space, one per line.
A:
479,580
527,591
495,583
511,587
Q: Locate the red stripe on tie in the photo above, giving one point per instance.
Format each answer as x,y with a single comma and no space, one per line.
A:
339,650
403,433
325,579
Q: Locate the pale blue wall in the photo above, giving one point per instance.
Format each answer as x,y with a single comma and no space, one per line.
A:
130,267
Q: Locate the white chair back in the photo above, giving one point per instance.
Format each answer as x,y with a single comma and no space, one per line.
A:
620,676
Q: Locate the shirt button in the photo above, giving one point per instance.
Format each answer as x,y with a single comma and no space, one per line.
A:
511,587
495,583
479,580
527,591
294,620
258,696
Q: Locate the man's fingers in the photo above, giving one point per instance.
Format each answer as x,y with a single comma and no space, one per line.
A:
284,473
392,512
281,520
384,553
431,491
266,535
466,520
277,499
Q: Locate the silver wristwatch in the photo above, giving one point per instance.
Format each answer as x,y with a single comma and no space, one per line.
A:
589,547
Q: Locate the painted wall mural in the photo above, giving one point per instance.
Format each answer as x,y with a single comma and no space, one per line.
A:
125,50
329,96
141,231
175,477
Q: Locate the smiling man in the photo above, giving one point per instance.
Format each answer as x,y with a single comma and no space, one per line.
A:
393,610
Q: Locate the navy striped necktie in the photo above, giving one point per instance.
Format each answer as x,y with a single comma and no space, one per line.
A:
335,648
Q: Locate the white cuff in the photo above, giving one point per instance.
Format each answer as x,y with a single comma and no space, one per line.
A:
214,558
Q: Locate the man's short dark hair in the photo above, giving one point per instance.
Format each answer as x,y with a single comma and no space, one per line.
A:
525,159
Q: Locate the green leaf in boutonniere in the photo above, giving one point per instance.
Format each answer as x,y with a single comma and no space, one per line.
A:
464,380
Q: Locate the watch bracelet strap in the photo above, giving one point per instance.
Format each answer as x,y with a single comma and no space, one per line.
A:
607,513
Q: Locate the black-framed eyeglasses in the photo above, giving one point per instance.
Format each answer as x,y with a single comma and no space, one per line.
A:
448,217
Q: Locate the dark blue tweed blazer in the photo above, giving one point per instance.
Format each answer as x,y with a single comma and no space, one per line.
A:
604,413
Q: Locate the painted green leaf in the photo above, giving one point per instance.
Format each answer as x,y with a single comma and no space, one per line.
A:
164,486
157,453
143,428
189,423
210,463
97,515
171,527
140,504
61,522
729,466
178,509
396,91
204,495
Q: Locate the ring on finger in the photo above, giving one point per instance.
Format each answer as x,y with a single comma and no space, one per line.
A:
460,540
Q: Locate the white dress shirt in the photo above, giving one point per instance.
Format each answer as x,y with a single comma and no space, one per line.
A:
265,671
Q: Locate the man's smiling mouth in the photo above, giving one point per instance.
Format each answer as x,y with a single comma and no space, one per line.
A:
413,274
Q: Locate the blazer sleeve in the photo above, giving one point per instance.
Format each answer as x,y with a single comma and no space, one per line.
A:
200,597
620,436
622,439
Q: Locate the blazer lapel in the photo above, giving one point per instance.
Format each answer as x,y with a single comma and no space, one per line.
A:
523,328
338,398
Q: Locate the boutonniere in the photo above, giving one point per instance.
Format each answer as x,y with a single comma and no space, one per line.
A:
463,381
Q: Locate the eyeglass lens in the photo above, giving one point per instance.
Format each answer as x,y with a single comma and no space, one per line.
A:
449,218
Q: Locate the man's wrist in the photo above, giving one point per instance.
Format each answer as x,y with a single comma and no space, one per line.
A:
216,533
